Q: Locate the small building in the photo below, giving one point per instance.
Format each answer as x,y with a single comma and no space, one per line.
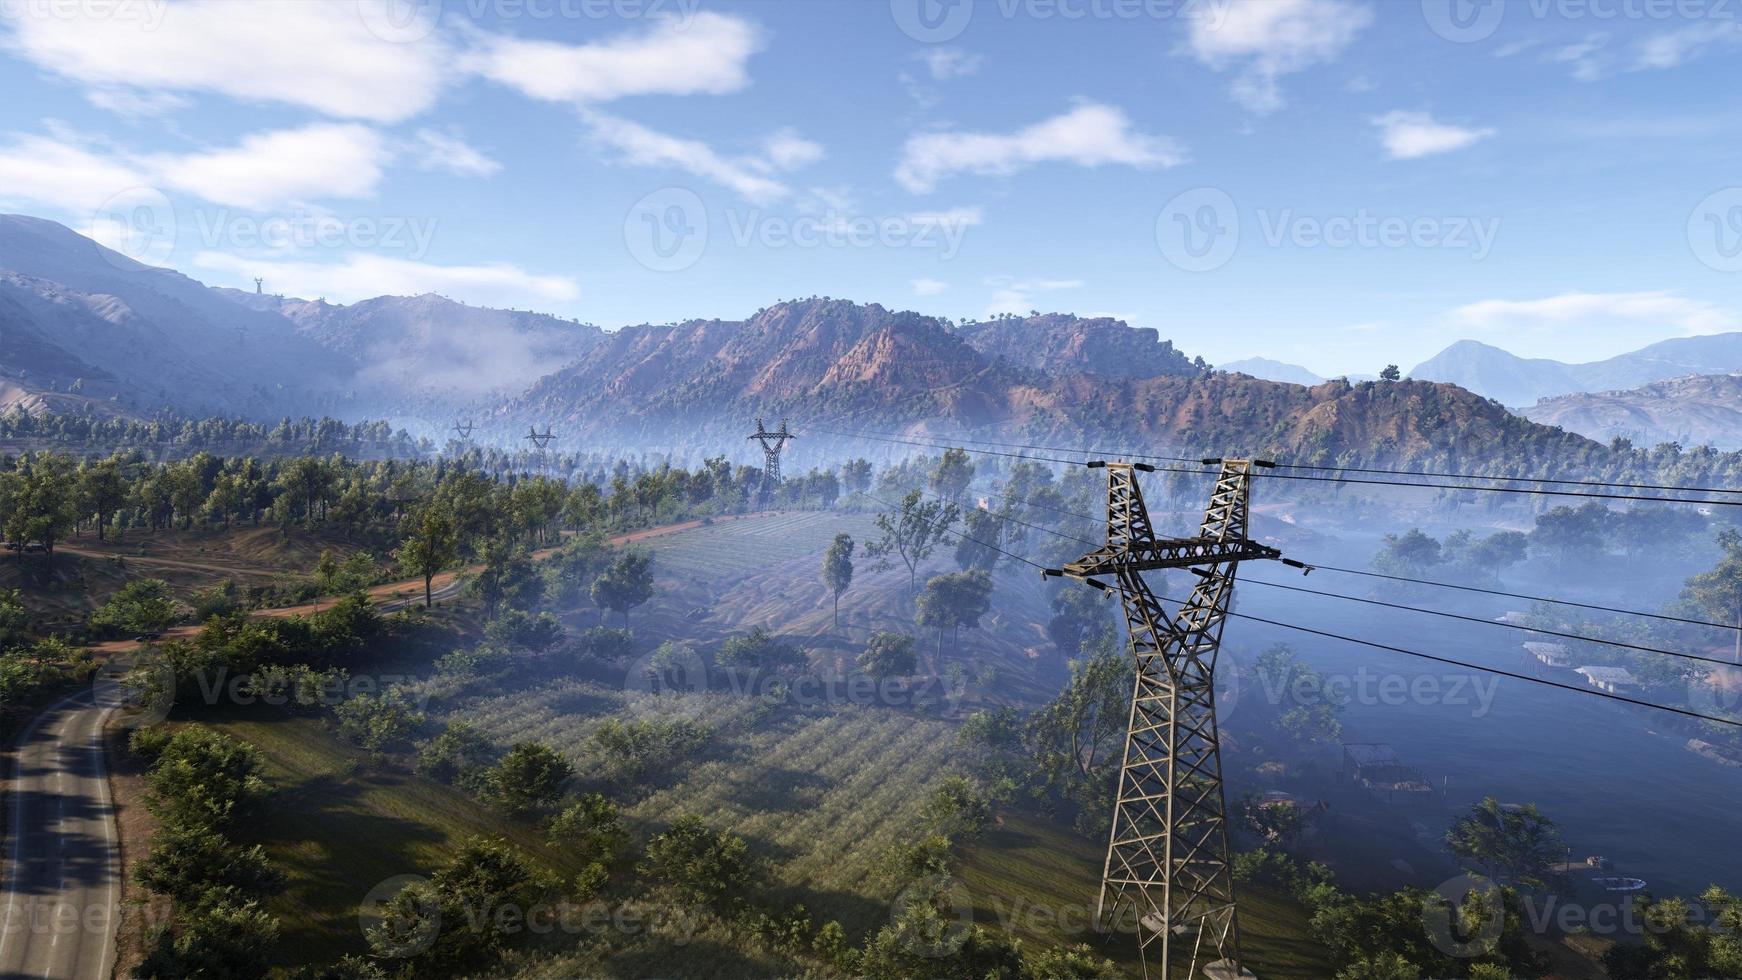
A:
1611,679
1551,654
1513,617
1377,766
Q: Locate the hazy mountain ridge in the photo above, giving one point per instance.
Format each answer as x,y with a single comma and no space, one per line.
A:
140,339
835,365
1266,369
1690,410
1065,343
1518,381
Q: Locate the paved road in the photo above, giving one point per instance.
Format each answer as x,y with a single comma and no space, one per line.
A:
58,910
64,865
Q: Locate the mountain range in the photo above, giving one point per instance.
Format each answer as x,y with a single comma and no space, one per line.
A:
83,328
1693,410
1519,381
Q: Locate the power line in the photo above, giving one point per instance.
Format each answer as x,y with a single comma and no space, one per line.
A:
1532,598
1491,670
1271,474
1488,622
1560,481
1003,517
948,530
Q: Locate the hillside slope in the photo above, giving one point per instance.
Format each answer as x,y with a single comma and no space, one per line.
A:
1693,410
1516,381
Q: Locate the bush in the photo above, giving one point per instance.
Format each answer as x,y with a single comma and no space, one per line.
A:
591,829
702,867
142,606
460,749
203,779
604,643
515,628
529,777
188,863
758,649
377,723
630,749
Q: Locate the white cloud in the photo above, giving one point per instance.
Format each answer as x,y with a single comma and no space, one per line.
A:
950,218
1672,48
362,275
37,170
316,55
929,287
1272,38
440,151
1408,135
262,171
1017,295
706,54
286,166
1089,135
946,63
1658,309
639,145
786,150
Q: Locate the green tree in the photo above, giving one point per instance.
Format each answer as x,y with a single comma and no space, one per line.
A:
432,545
701,866
529,777
142,605
1508,840
1409,554
187,862
951,477
626,583
954,809
591,829
979,540
1717,592
888,655
1391,373
953,601
912,533
838,570
203,779
1075,738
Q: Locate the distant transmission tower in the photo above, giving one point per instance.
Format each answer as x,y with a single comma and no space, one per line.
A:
541,440
463,429
772,443
258,283
1168,865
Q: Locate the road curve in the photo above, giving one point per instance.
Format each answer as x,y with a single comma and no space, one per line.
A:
59,910
62,859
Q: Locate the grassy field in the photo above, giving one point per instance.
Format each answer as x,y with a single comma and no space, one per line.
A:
338,824
1039,881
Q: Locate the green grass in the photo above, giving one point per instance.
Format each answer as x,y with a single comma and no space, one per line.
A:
338,823
1039,881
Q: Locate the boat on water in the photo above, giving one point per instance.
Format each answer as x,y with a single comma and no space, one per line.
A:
1614,883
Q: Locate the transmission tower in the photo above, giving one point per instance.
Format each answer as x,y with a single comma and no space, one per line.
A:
542,440
1168,869
772,443
463,429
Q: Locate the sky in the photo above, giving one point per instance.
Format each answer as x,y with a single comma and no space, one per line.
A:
1340,184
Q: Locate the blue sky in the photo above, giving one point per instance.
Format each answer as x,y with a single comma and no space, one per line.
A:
1336,183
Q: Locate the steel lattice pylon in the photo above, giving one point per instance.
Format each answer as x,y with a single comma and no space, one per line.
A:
772,443
1168,870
